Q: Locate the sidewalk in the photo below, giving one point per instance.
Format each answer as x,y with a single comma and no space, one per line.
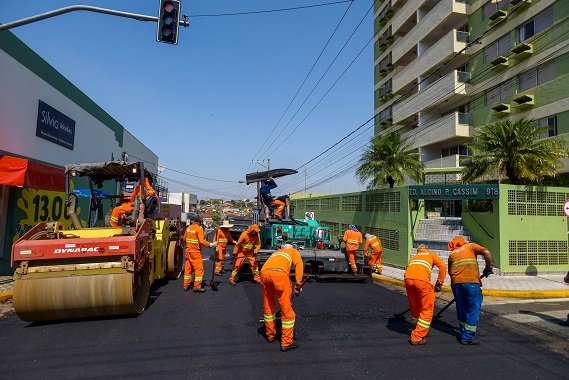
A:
533,287
6,284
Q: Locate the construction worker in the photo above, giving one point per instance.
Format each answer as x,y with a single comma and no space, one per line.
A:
420,291
222,237
270,200
275,282
352,238
374,243
247,246
465,282
195,239
127,207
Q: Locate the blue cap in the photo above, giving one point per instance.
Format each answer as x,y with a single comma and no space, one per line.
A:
352,227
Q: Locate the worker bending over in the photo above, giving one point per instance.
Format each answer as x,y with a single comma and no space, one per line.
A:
222,237
420,291
374,243
247,246
465,282
275,282
270,200
352,238
195,239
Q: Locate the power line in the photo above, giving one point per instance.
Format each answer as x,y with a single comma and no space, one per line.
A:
273,10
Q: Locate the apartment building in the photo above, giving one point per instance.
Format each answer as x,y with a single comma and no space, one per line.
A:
444,67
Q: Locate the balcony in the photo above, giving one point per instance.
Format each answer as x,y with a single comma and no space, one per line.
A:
446,47
448,127
408,10
446,14
452,161
448,87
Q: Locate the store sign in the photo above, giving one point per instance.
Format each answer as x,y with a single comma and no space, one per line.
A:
443,192
54,126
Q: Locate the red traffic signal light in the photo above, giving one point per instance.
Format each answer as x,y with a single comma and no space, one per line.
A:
168,21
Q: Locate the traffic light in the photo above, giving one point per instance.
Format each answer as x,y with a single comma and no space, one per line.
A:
168,21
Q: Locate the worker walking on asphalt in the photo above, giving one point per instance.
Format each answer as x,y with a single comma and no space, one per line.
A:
374,243
275,282
465,282
420,291
195,239
222,237
247,246
352,238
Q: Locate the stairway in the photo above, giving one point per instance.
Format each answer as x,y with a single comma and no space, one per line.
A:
435,233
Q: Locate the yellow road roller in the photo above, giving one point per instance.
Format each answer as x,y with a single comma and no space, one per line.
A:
93,269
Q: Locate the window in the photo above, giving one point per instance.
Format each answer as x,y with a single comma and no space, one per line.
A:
385,88
461,150
500,93
536,76
500,47
385,114
384,11
537,24
383,64
550,122
492,6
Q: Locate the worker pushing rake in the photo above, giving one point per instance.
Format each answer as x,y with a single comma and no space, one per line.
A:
465,282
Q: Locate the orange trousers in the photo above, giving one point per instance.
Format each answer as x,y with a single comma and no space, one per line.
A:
252,262
375,261
280,207
421,297
194,265
118,213
219,258
277,285
352,260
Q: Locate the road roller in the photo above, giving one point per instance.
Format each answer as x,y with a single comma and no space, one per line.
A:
92,269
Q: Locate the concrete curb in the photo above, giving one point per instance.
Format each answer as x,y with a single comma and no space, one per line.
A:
528,294
6,296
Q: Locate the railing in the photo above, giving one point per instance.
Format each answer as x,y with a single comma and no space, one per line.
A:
462,36
463,76
464,118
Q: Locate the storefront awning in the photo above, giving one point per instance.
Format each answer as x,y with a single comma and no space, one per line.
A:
20,172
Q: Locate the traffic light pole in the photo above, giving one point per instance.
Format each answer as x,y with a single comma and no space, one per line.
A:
42,16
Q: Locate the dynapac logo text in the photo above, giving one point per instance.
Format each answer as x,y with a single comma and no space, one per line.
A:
76,250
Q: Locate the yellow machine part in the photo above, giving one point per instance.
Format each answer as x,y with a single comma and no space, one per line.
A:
80,291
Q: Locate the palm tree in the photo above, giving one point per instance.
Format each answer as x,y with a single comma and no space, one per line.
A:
515,150
387,159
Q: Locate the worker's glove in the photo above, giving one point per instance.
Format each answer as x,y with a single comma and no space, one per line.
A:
297,290
213,244
438,287
487,271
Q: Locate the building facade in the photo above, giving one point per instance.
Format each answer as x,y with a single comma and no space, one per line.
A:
442,68
46,122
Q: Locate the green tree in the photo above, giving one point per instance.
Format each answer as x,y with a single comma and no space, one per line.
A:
515,150
388,158
215,216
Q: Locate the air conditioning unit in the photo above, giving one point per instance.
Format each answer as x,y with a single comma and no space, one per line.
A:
497,16
521,2
524,100
501,108
499,61
523,49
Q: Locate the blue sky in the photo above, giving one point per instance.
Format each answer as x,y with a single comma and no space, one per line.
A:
207,106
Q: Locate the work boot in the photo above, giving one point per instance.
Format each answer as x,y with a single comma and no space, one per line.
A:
419,343
271,339
232,283
473,342
218,273
186,288
198,290
565,323
289,347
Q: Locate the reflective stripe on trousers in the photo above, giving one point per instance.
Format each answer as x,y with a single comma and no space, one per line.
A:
468,297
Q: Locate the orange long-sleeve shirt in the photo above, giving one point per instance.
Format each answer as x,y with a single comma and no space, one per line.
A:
247,244
375,243
462,264
421,265
282,260
353,239
223,237
194,237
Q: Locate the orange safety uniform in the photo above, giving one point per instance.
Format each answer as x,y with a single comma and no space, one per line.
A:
222,237
120,211
280,207
353,239
463,266
246,248
376,254
275,282
420,291
194,237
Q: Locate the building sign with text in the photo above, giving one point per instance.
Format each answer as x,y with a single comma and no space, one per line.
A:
444,192
54,126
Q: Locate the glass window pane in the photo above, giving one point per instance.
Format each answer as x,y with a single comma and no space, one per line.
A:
505,44
545,73
527,80
492,96
491,52
506,91
543,20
